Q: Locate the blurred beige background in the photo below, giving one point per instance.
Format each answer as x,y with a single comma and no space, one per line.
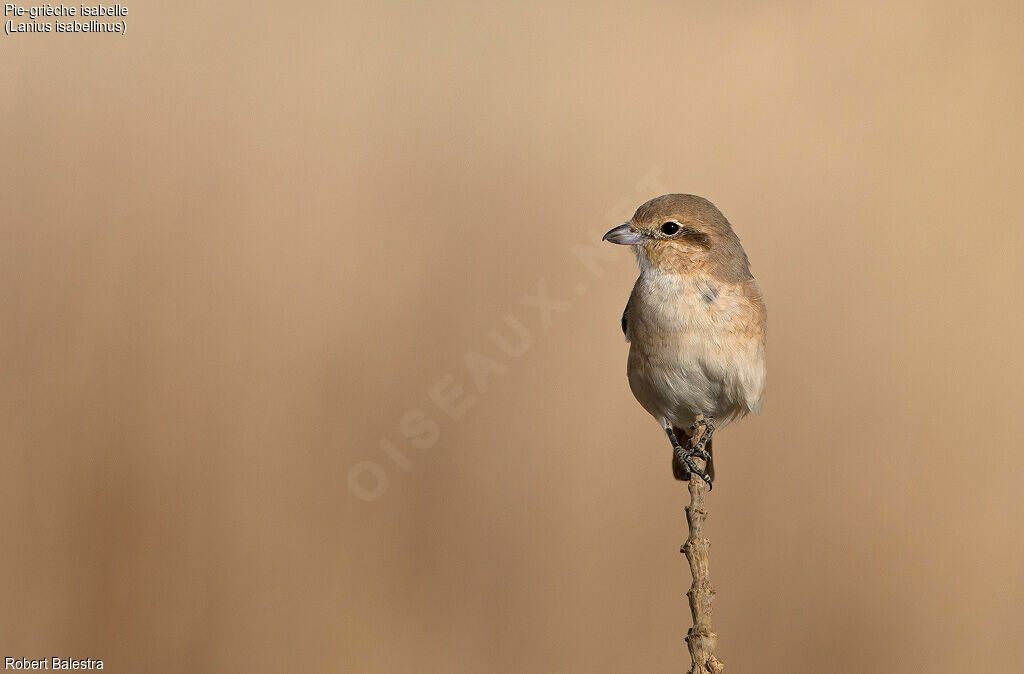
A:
241,245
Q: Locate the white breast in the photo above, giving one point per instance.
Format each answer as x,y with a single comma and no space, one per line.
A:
692,350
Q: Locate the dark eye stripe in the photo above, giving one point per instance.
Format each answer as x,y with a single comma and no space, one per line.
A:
669,228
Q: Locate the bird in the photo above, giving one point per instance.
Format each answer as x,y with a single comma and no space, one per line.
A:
695,323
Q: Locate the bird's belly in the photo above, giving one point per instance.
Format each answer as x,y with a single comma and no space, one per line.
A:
681,382
690,357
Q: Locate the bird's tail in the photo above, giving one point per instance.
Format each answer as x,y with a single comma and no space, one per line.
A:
684,437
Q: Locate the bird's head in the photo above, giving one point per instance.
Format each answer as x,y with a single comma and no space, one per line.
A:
683,233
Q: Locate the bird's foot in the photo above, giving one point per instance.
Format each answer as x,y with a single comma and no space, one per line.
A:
684,464
687,466
708,422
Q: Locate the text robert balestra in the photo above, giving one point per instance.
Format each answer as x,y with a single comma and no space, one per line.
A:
52,663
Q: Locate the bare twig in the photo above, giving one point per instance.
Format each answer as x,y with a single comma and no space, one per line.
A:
700,639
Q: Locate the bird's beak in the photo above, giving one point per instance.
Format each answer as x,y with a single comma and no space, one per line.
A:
623,234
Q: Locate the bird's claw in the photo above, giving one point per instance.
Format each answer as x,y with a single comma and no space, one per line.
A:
685,460
683,465
708,422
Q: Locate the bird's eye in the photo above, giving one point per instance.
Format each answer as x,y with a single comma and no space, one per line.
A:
670,228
